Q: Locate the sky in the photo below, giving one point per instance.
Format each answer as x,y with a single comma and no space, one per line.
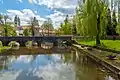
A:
41,9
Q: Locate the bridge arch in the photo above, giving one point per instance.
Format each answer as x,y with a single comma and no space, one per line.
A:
38,39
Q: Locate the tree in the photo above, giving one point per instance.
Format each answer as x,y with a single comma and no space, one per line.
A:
74,31
118,10
1,17
34,22
5,25
84,1
109,24
19,21
47,25
92,19
66,26
27,32
50,25
10,30
114,23
61,29
3,21
16,21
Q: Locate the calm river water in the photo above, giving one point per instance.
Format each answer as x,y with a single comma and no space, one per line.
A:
56,64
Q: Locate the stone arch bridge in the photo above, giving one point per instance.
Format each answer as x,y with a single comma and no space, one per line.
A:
39,39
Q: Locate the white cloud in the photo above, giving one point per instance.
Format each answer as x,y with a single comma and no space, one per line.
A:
57,71
56,3
58,17
61,8
21,1
24,15
30,1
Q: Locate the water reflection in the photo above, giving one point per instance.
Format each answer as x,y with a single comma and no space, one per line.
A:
65,66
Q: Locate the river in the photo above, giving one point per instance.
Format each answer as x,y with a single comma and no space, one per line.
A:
55,64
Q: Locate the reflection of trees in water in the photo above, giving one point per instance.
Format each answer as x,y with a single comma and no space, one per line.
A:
49,56
3,62
34,57
67,58
70,57
86,69
6,61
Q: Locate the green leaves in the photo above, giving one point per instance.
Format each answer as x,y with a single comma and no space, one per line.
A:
8,30
27,32
86,17
47,24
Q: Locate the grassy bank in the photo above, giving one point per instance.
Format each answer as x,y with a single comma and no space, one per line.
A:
110,44
4,48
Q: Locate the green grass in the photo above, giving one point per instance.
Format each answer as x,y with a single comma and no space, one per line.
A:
110,44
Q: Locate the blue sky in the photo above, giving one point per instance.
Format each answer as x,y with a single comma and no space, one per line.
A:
42,9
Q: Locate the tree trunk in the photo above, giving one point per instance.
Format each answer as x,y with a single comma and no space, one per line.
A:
33,34
5,29
98,31
6,32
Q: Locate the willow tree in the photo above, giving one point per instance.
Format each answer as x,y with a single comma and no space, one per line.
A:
92,19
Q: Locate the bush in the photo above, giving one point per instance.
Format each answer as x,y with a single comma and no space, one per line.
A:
1,45
28,44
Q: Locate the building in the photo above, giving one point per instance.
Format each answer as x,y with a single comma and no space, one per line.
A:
19,31
43,32
38,31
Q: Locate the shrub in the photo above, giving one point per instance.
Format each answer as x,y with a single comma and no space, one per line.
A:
28,44
1,45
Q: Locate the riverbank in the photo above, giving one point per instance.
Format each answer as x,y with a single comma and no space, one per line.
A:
107,44
101,58
4,48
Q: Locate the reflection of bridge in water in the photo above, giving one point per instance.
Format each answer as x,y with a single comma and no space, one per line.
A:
34,51
38,39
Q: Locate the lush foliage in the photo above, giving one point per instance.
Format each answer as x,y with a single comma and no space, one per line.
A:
91,19
27,32
1,45
8,30
65,27
114,23
29,44
47,24
118,28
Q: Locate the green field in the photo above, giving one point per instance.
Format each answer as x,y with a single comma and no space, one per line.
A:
110,44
